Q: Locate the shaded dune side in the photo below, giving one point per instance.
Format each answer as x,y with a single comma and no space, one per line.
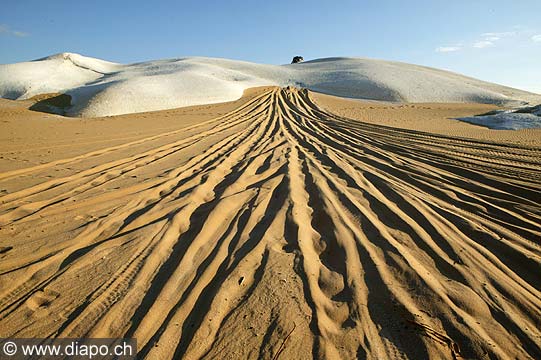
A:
295,233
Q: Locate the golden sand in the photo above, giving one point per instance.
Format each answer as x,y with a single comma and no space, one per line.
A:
283,225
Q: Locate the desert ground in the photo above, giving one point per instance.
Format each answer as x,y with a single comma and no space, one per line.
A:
283,225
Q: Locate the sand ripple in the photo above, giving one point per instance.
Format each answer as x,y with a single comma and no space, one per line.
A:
295,233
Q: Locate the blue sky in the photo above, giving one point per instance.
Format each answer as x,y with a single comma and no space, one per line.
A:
495,40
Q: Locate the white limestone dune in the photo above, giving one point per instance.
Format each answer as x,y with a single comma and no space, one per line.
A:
101,88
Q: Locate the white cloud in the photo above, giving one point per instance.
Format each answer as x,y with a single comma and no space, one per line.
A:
483,44
4,29
499,35
536,38
489,39
446,49
19,33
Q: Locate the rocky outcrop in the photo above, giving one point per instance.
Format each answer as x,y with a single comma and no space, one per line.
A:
297,59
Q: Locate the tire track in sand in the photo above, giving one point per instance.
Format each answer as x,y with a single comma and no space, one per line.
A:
368,241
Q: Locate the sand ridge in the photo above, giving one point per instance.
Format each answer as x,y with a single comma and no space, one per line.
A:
100,88
280,230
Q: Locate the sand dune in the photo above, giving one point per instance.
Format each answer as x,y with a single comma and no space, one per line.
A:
279,229
101,88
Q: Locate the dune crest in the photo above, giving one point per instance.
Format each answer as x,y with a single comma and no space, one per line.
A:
281,230
101,88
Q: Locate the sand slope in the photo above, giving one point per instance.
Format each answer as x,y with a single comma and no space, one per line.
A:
280,230
51,74
100,88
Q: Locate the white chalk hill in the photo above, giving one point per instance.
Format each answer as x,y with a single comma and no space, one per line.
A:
100,88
